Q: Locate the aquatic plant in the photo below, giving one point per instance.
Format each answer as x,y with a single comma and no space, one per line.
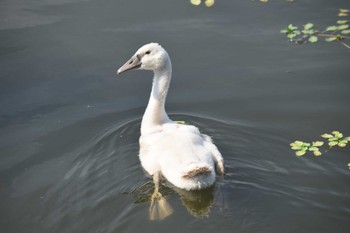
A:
335,138
207,3
338,32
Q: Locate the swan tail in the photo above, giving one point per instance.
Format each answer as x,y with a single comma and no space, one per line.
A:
199,170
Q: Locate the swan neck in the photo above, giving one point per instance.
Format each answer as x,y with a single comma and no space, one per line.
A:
155,114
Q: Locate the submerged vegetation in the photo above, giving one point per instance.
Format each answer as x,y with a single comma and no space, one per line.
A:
334,33
335,138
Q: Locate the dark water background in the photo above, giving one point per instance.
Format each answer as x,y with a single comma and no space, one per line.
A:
69,128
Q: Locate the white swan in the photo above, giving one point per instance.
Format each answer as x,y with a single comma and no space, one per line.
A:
178,152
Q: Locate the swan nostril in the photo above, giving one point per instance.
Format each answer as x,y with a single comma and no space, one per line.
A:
130,62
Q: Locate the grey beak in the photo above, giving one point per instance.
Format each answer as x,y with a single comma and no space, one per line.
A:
133,63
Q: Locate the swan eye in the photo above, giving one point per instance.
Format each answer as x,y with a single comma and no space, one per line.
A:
148,52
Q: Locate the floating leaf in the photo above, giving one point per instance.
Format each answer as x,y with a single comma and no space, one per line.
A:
342,21
333,143
284,31
347,139
337,134
339,37
308,26
343,26
313,148
209,3
291,35
317,143
342,14
264,1
317,153
345,32
309,32
291,27
342,143
300,153
344,10
313,39
332,28
329,39
196,2
180,122
326,135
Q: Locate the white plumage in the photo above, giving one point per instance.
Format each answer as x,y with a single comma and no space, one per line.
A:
178,152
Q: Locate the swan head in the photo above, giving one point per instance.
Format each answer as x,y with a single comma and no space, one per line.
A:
151,56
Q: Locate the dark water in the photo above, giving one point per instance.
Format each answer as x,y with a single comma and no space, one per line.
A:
69,128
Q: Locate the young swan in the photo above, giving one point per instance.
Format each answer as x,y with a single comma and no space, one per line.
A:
178,152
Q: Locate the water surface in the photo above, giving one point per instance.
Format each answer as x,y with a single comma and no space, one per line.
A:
69,127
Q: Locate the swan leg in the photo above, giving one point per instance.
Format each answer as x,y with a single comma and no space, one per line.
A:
160,208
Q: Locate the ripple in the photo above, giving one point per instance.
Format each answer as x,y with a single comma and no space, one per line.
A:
103,177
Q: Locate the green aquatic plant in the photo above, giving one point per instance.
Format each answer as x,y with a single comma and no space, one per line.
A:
338,32
207,3
335,138
302,147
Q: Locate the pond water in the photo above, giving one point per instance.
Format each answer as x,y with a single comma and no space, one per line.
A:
69,126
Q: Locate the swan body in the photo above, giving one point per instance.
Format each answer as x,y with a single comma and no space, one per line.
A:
178,152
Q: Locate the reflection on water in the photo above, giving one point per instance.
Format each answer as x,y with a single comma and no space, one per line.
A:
197,202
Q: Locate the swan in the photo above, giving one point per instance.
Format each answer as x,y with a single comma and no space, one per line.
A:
177,152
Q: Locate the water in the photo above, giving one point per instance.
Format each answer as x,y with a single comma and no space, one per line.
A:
69,128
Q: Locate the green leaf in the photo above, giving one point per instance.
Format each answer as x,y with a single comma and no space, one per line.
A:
333,139
338,135
332,28
308,26
342,14
180,122
317,143
347,139
313,39
300,153
326,135
339,37
342,21
343,26
291,35
299,143
291,27
335,132
209,3
308,32
333,143
196,2
317,153
345,32
340,144
329,39
284,31
313,148
344,10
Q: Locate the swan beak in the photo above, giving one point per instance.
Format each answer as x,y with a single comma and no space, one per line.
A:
133,63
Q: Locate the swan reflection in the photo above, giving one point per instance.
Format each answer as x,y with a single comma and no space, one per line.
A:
198,202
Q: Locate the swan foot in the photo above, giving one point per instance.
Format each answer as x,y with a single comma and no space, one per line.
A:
160,208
